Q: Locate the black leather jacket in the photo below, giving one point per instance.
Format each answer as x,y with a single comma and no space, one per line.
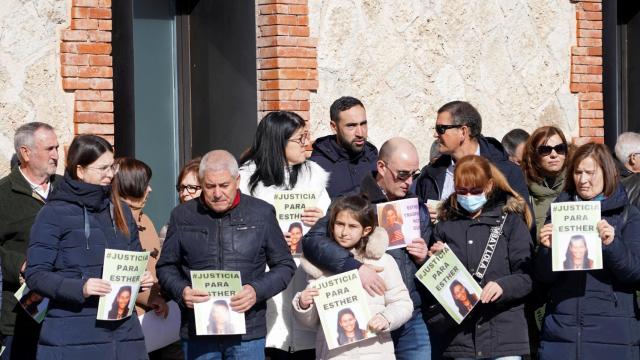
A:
245,238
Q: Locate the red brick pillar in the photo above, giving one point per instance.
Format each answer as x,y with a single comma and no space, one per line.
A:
85,56
586,70
286,57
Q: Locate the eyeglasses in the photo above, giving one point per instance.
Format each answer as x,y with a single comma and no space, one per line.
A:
441,129
105,169
301,140
472,191
191,189
404,175
544,150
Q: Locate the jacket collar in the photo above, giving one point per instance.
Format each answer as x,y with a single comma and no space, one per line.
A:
20,185
235,213
329,147
95,198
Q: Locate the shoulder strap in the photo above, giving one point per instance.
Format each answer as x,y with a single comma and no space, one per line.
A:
494,235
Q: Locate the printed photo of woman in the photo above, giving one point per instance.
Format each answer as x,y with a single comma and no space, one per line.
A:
462,298
391,220
577,256
295,235
120,306
348,328
220,319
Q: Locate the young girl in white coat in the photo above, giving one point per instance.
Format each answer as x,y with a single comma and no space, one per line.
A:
352,226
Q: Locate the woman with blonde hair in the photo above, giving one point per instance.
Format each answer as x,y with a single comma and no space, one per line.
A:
486,224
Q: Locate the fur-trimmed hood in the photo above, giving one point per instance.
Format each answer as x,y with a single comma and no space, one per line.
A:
499,199
376,247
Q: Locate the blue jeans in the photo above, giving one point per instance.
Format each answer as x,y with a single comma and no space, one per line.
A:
224,347
411,340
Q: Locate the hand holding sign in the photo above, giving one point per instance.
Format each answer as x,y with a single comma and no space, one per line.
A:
244,300
193,296
418,250
310,216
435,248
545,235
147,280
378,323
95,286
306,297
606,231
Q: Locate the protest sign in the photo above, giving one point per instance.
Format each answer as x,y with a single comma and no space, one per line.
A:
33,303
215,317
343,309
401,220
123,269
289,207
576,244
450,283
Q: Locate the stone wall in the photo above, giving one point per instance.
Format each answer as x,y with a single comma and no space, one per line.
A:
30,80
404,59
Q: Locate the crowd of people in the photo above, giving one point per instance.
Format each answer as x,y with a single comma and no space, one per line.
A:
54,230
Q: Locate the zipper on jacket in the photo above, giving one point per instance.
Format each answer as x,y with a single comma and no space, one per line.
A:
220,249
87,226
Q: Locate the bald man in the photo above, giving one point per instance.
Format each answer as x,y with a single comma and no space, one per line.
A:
225,230
396,167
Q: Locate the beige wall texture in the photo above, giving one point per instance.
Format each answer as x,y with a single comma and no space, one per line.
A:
30,82
404,59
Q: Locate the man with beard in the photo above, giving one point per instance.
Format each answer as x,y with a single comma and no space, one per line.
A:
346,155
23,192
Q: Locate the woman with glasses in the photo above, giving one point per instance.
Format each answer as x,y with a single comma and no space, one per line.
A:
544,164
188,186
594,314
66,257
485,213
277,162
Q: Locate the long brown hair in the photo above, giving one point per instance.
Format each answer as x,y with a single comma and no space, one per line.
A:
132,179
361,210
530,158
476,171
601,155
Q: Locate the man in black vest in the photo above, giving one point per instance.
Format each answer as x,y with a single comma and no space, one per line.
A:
23,192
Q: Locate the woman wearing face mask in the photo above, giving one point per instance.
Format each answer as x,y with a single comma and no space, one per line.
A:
66,257
593,314
277,162
483,202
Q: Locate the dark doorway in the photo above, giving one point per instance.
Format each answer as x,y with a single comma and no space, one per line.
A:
218,70
621,77
184,84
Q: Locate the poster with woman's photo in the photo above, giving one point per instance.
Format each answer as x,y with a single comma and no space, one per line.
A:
33,303
215,316
575,244
289,207
123,269
401,220
450,283
343,309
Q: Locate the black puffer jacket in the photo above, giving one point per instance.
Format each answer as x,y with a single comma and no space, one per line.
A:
631,183
245,238
347,170
496,329
66,248
325,253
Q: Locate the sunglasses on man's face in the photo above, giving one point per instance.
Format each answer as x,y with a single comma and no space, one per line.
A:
441,129
472,191
544,150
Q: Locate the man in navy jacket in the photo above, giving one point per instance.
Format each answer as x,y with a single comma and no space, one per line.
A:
347,155
396,166
225,230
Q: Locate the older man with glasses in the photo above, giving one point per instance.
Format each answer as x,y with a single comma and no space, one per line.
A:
628,154
458,133
396,167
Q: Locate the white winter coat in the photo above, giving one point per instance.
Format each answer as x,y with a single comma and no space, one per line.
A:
283,330
396,305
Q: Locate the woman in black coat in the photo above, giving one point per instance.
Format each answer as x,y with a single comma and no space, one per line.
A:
66,255
483,201
593,314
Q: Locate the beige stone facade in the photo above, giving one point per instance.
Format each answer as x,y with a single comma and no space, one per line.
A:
404,59
30,81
